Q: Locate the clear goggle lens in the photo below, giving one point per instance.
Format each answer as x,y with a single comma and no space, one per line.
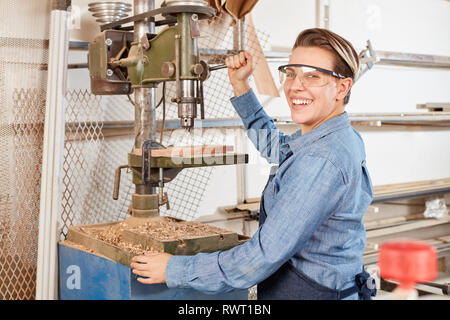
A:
309,76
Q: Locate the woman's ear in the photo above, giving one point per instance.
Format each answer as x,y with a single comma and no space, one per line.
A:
343,87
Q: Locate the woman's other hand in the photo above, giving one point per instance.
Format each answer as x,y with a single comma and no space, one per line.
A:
151,267
240,67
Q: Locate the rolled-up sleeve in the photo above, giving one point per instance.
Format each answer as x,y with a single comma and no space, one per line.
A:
310,191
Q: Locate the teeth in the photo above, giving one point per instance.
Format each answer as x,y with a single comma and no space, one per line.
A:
301,101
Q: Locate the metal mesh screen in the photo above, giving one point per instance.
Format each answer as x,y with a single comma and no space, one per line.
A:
23,55
89,163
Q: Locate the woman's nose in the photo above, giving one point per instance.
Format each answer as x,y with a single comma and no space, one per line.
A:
297,84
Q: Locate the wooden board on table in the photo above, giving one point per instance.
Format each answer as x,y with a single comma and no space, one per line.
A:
189,151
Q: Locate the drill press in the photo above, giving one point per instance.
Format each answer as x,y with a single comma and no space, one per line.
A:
122,61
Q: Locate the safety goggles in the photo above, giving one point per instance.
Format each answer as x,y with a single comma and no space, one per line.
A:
309,76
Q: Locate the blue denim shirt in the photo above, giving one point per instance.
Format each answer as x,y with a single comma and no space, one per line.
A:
315,202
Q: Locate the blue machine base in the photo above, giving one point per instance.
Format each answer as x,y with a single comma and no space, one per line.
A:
86,276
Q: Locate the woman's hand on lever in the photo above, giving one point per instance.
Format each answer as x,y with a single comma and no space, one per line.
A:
240,67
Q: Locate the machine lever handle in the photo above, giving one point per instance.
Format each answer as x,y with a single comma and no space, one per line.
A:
117,182
218,67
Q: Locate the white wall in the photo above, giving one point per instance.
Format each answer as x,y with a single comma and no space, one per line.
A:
393,155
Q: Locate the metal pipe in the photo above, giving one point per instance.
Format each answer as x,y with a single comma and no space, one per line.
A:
239,44
53,149
218,67
239,35
161,185
143,189
144,98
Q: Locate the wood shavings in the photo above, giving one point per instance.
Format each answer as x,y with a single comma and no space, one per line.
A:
113,235
166,228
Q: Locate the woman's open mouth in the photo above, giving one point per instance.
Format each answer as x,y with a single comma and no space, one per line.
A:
299,104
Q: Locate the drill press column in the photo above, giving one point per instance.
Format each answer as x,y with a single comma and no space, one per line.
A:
144,113
145,121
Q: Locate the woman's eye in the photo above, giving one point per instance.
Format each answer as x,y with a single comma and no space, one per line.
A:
311,76
290,75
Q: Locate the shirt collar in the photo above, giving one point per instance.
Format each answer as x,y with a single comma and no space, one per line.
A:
299,141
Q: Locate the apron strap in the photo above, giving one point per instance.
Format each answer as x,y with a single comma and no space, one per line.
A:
365,286
348,292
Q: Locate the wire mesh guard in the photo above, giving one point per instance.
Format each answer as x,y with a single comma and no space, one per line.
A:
23,53
19,229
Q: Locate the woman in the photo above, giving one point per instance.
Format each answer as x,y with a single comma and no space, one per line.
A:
311,237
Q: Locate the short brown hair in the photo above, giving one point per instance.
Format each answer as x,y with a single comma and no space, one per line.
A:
346,59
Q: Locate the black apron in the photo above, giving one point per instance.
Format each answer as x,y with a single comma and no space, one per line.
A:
288,283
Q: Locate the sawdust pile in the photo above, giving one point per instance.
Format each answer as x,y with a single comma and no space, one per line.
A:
113,235
166,229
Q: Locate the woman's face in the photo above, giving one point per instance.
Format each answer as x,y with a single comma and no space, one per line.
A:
311,106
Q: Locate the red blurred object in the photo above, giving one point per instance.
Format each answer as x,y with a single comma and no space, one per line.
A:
408,262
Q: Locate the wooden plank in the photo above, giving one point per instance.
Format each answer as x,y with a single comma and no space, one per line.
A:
394,220
445,239
435,106
411,189
406,227
248,206
135,161
262,75
189,151
410,186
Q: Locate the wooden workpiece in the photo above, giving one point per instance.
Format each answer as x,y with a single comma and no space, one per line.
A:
189,151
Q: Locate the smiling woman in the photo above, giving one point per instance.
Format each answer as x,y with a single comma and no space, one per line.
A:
330,66
311,237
